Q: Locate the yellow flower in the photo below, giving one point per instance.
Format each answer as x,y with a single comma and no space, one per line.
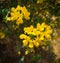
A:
38,26
26,13
26,52
17,14
36,43
19,52
13,9
22,36
25,42
19,21
31,28
2,35
8,18
49,30
27,38
42,38
12,19
31,45
33,37
34,31
40,1
43,25
26,29
18,8
48,36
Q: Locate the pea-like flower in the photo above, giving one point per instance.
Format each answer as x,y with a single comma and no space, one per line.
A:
36,36
18,14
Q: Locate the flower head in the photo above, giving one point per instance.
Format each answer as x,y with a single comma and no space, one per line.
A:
36,36
18,14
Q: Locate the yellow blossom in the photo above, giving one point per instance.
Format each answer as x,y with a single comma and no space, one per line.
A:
25,42
35,35
47,35
39,1
42,38
13,9
2,35
31,28
42,26
31,45
27,30
27,38
19,21
19,52
48,28
18,8
8,18
18,14
26,52
26,13
36,43
22,36
38,26
35,31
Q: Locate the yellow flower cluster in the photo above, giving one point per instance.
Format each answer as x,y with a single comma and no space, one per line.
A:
36,36
17,14
2,35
